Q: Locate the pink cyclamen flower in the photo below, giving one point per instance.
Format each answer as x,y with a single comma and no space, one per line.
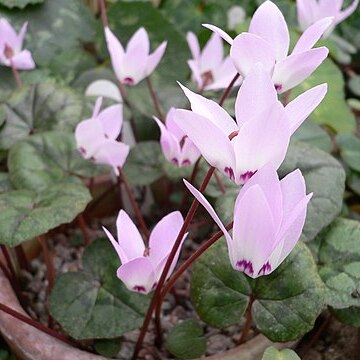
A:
11,53
96,137
310,11
210,70
268,41
262,130
133,64
141,266
269,216
175,145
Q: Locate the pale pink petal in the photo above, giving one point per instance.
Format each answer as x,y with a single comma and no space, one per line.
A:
223,76
220,32
139,39
212,54
196,74
329,7
347,12
129,238
171,125
312,34
306,12
263,140
297,67
23,60
138,275
268,180
112,119
169,144
193,43
154,59
256,94
253,232
97,107
213,144
20,38
113,153
123,258
134,65
301,107
249,49
190,153
116,51
8,34
210,110
268,22
163,236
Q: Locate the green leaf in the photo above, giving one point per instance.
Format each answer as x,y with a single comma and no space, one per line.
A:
325,177
333,111
353,181
5,183
42,159
186,340
354,85
26,214
19,3
350,150
38,108
286,302
94,304
339,259
349,316
142,166
108,347
272,353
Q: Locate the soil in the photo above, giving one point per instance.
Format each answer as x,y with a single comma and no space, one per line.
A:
337,342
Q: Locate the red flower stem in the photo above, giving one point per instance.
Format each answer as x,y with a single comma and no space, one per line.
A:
21,258
169,285
84,230
228,89
134,205
219,183
48,262
16,74
35,324
245,333
169,261
155,99
103,13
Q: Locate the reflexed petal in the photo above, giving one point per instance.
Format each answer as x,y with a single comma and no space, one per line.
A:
302,106
190,153
213,144
263,140
203,201
253,232
134,66
212,54
220,32
123,258
116,51
23,60
138,275
97,107
307,12
129,237
171,125
163,236
249,49
193,43
139,39
312,34
268,22
255,95
210,110
196,74
297,67
113,153
329,7
154,59
20,38
104,88
169,143
8,34
347,12
223,76
112,119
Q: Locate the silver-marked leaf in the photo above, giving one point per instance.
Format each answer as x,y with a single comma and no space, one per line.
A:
19,3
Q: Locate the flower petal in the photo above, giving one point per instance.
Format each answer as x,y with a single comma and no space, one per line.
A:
297,67
8,34
104,88
306,12
111,119
347,12
116,51
312,34
190,153
210,110
249,49
139,39
255,95
213,144
171,125
20,38
23,60
154,58
220,32
134,65
302,106
129,237
212,54
123,258
193,43
269,23
138,275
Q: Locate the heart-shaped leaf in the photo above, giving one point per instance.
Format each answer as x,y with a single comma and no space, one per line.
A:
272,353
95,304
38,108
350,150
286,302
43,159
349,316
25,214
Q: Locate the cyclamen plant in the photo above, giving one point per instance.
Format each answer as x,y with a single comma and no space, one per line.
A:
240,147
